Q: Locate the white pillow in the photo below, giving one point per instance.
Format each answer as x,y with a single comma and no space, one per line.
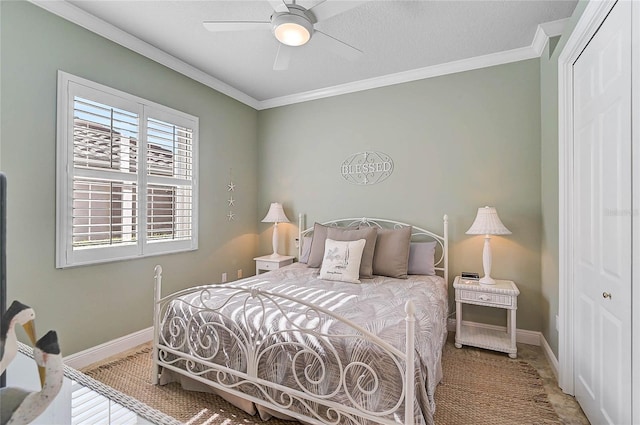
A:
342,260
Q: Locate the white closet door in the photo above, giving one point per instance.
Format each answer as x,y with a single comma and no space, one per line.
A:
602,182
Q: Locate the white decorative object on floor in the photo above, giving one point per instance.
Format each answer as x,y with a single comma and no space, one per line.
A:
503,294
18,406
275,215
82,399
16,314
487,223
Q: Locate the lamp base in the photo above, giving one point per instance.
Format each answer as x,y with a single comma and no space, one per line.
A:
274,241
487,280
276,255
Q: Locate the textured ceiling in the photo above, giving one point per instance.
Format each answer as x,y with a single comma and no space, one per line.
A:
395,36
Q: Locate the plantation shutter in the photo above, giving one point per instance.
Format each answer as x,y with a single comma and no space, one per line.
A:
170,178
105,174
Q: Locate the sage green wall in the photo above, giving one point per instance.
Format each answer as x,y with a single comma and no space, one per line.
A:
550,183
94,304
458,142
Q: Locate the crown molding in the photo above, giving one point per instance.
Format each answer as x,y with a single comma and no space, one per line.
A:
543,32
78,16
477,62
540,39
554,28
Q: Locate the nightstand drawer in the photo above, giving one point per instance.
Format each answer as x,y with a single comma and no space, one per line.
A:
266,265
486,298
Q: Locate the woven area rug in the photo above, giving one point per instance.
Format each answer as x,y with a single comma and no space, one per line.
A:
479,387
485,388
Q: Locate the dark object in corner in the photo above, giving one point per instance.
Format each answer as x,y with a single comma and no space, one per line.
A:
3,254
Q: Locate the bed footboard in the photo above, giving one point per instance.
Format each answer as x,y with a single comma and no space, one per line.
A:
285,354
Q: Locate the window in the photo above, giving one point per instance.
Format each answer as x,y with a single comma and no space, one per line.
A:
127,176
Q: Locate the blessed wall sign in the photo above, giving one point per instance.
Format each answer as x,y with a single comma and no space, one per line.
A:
366,167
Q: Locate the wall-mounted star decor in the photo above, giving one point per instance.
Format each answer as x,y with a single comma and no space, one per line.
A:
231,202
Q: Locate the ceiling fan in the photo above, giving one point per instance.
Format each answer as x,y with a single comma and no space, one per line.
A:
293,26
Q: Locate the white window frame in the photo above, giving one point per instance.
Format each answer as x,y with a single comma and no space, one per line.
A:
70,86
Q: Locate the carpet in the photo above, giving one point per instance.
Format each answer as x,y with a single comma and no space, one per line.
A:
479,387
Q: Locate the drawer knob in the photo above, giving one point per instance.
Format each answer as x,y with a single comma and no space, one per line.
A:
606,295
484,297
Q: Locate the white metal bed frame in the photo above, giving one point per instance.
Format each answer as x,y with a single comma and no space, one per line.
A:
317,406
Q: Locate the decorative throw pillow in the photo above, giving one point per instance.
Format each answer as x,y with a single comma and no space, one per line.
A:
306,250
317,245
369,234
342,260
391,257
422,258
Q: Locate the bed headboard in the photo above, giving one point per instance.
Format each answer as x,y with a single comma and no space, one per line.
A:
418,234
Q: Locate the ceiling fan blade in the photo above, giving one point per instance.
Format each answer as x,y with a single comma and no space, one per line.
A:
282,57
278,5
218,26
329,8
333,44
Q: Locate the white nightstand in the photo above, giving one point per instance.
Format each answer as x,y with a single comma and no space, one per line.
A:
267,262
504,294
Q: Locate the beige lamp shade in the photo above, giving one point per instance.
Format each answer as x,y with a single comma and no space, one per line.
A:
276,214
487,222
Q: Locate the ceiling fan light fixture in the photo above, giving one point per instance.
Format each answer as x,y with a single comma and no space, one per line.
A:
292,30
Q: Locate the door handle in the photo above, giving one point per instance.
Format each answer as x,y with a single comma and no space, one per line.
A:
606,295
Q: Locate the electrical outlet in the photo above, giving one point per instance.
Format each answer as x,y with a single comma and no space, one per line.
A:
224,277
239,273
297,243
557,323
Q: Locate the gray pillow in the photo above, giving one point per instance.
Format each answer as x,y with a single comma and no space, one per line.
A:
391,256
422,258
317,245
351,234
306,250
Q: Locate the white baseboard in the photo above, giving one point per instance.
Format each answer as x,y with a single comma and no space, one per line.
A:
553,361
100,352
127,342
523,336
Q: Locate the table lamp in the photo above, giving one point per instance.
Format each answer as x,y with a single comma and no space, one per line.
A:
487,223
275,215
